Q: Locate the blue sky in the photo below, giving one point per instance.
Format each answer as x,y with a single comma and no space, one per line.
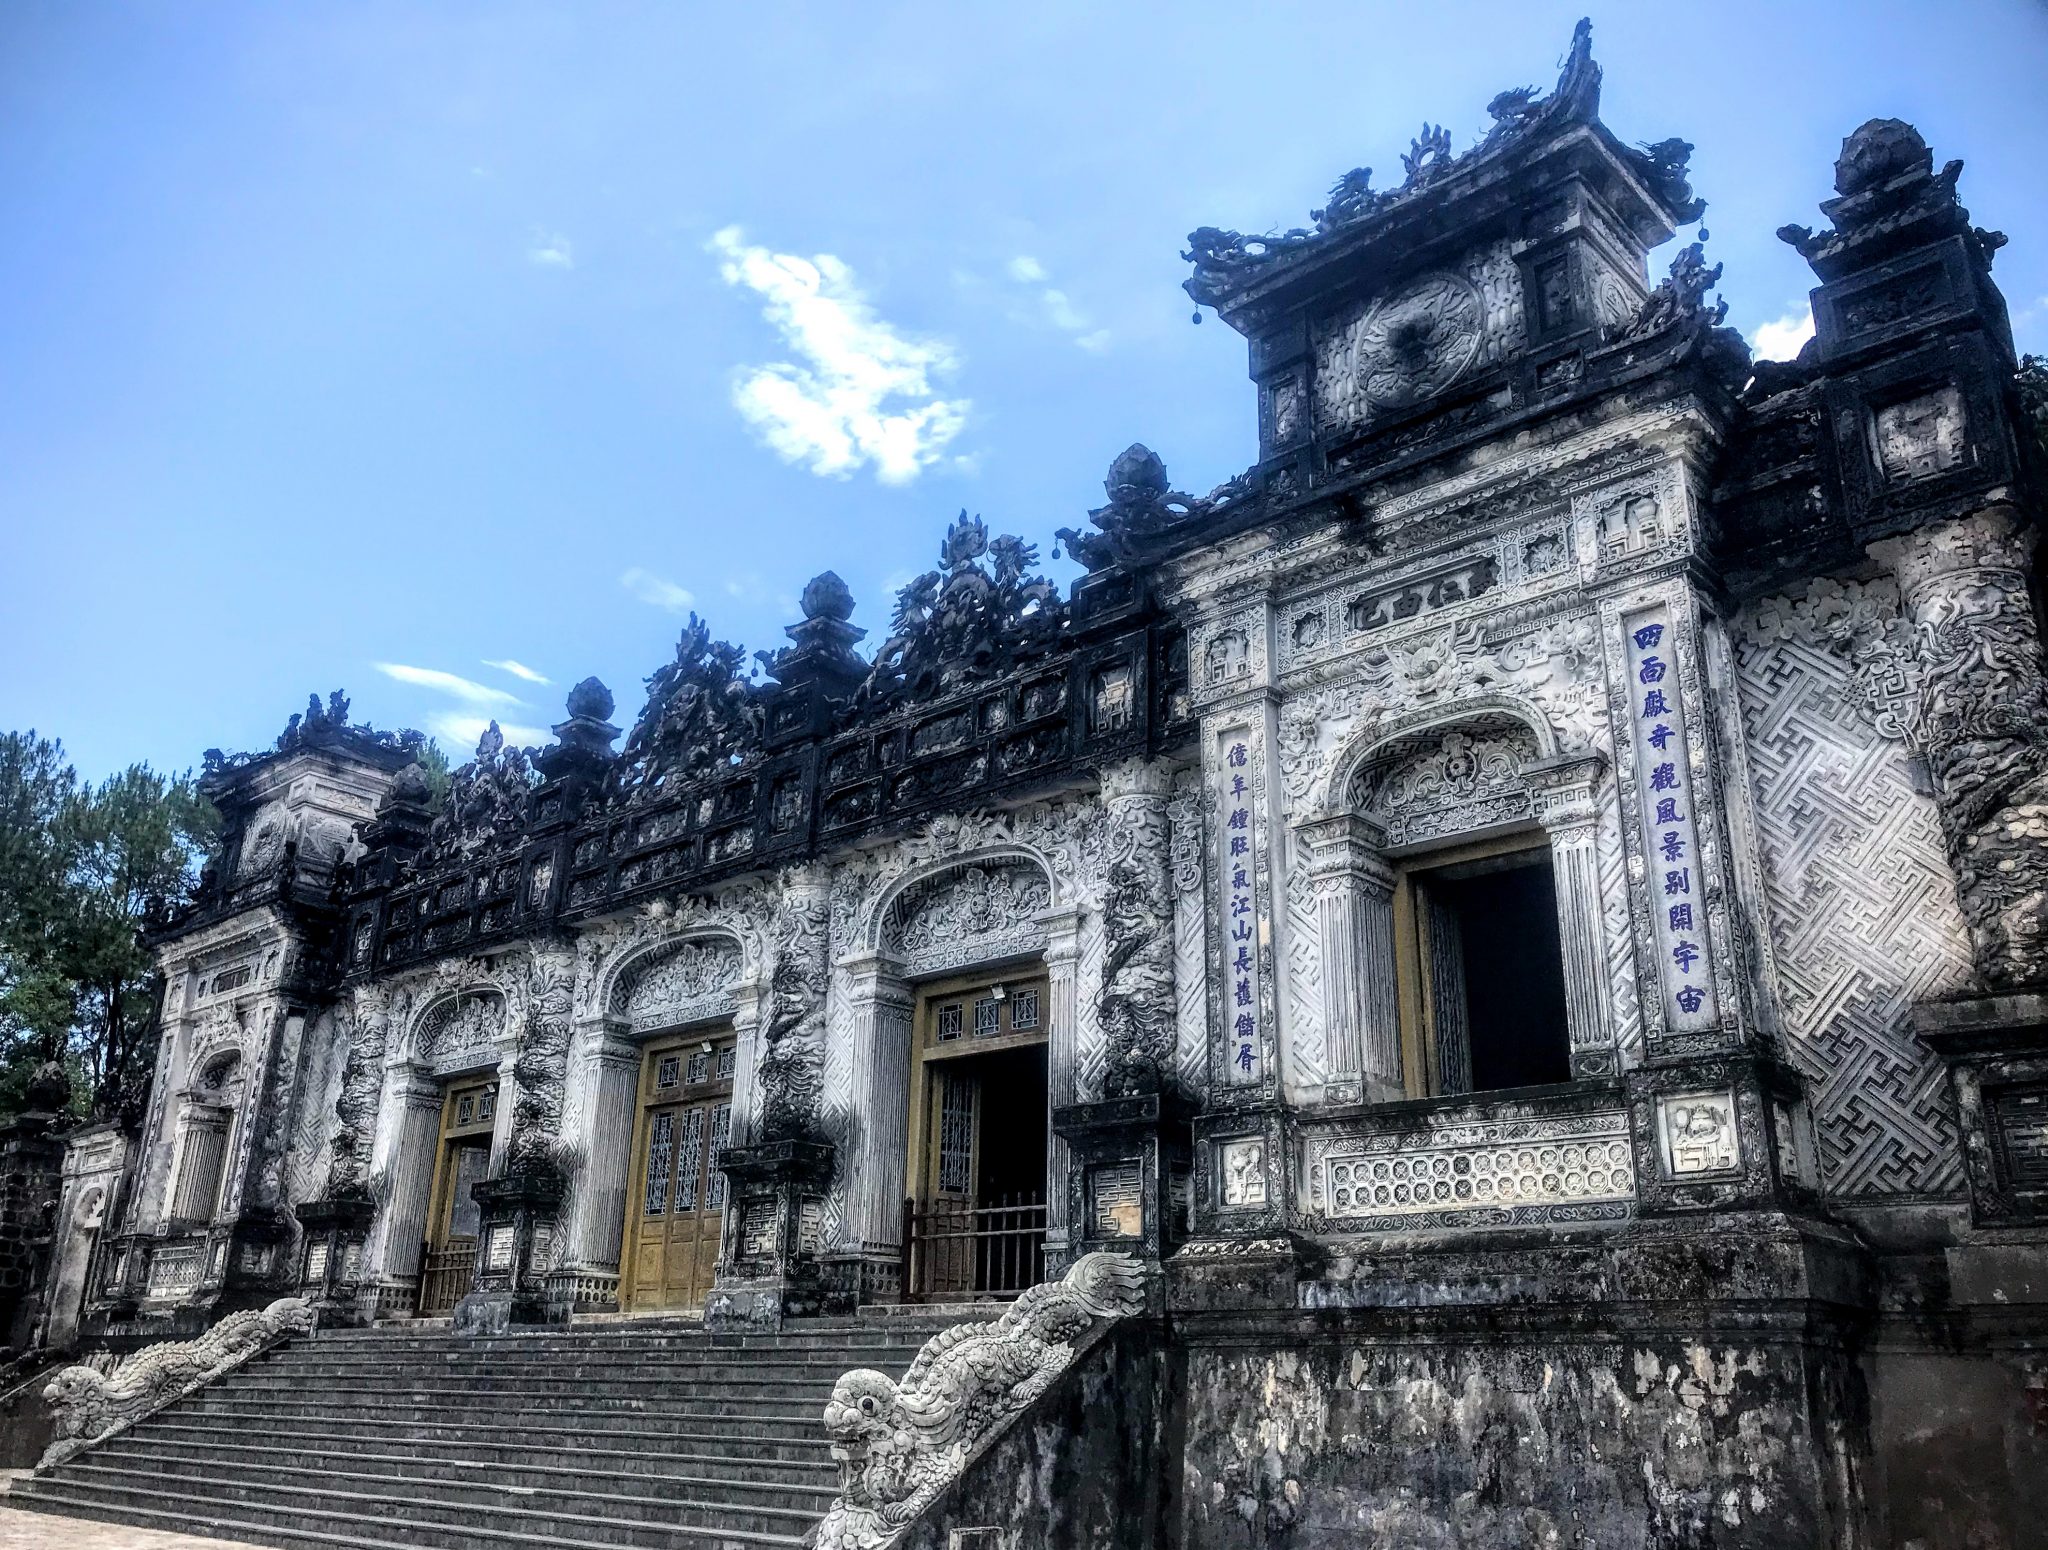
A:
434,350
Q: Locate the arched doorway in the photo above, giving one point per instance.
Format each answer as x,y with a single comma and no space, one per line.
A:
675,1203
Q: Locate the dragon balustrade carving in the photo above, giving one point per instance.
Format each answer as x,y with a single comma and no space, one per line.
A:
791,1064
900,1444
90,1405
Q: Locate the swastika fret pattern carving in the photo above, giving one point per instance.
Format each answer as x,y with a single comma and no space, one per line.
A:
1864,920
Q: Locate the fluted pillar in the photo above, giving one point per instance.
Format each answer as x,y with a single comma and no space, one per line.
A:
412,1100
1062,1057
1354,893
597,1205
1566,807
878,1119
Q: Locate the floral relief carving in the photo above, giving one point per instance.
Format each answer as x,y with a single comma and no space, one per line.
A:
460,1031
968,913
680,983
791,1064
1448,783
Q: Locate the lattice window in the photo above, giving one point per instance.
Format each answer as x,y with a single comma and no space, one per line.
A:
988,1017
668,1072
661,1157
465,1109
726,1058
700,1066
949,1020
486,1105
956,1137
689,1160
721,1133
1024,1010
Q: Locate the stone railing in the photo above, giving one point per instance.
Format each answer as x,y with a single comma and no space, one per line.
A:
90,1406
899,1445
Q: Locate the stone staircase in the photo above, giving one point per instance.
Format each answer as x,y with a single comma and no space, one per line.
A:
619,1434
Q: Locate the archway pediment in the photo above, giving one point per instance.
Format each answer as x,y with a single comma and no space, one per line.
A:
970,909
683,980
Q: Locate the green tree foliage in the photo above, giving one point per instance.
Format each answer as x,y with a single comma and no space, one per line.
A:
2033,386
81,868
433,763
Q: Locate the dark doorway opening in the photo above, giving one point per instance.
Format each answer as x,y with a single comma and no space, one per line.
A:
1499,917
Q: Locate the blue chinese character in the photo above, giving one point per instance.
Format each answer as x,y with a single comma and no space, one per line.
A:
1237,786
1243,961
1241,932
1651,672
1678,882
1244,992
1239,845
1244,1057
1664,778
1239,817
1238,756
1660,735
1648,636
1667,812
1681,917
1239,878
1685,955
1240,906
1690,998
1672,848
1653,704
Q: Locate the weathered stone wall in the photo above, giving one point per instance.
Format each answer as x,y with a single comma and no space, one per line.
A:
1502,1440
1960,1449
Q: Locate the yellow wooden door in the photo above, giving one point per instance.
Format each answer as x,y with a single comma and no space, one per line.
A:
678,1204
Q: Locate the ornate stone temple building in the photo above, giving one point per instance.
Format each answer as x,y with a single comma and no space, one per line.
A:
1524,912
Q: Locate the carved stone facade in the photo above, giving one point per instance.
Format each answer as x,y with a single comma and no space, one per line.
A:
1559,846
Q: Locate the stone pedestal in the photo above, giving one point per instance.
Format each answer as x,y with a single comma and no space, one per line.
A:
1996,1050
1127,1177
330,1266
516,1221
768,1266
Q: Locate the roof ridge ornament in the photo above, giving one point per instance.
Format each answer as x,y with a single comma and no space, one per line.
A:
1224,260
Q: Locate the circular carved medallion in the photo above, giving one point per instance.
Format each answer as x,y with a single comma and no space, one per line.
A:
1419,340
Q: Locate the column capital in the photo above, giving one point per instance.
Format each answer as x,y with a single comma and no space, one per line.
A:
1345,845
1137,778
1994,538
1561,789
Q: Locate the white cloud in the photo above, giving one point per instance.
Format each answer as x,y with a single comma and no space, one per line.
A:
519,670
465,689
860,392
1049,304
1094,343
1780,340
551,250
1026,270
658,590
458,733
1063,313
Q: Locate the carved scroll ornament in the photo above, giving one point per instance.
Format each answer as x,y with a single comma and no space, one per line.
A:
90,1405
899,1445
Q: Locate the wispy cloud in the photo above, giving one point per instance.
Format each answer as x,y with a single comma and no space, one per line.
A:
519,670
467,690
459,733
860,393
658,590
1781,339
1049,304
551,250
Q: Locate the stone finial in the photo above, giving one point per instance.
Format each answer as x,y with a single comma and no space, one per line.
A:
408,787
1137,476
1880,150
590,700
827,597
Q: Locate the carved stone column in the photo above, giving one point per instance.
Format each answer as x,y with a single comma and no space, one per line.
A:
412,1100
1062,1064
878,1125
597,1205
1983,726
1354,893
1565,806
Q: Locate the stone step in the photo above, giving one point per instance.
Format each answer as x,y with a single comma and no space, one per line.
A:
803,1409
376,1501
318,1359
626,1379
799,1464
319,1527
805,1429
805,1443
480,1385
520,1487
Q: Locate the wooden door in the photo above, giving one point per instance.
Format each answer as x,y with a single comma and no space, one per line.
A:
469,1115
677,1207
